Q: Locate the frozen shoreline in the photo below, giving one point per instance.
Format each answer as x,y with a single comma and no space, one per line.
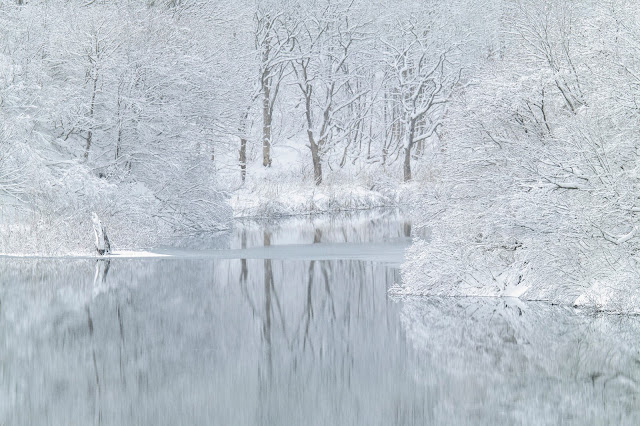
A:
116,254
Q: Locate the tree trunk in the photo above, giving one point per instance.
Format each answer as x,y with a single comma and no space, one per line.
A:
118,142
119,121
91,112
315,157
266,127
88,144
407,150
103,246
243,159
407,164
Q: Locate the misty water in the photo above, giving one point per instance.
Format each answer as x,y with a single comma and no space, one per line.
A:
289,323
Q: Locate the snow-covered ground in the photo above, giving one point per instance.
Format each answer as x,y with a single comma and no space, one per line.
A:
287,188
116,254
273,198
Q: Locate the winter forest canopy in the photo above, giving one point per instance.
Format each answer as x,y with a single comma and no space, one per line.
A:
509,127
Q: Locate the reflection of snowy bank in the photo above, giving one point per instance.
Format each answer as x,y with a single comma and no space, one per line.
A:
503,361
375,225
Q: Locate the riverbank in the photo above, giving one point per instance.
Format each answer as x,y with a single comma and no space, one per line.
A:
277,195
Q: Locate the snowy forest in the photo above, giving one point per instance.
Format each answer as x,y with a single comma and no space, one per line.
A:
508,128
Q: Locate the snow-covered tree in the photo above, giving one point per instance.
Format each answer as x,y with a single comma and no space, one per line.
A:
324,68
538,178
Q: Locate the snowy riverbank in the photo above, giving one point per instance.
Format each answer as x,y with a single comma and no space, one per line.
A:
279,191
272,199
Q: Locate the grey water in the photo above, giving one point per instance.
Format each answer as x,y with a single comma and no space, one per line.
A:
289,323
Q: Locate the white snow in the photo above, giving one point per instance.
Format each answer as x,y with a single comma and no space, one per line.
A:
134,254
126,254
514,291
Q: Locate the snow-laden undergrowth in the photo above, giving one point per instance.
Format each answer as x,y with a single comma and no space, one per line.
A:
277,198
287,187
51,212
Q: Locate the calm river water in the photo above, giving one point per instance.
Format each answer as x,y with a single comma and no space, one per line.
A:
289,323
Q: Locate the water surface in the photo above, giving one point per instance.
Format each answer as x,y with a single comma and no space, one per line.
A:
291,324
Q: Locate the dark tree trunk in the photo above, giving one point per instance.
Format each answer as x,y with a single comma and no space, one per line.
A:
315,157
266,127
407,151
243,159
407,164
91,113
